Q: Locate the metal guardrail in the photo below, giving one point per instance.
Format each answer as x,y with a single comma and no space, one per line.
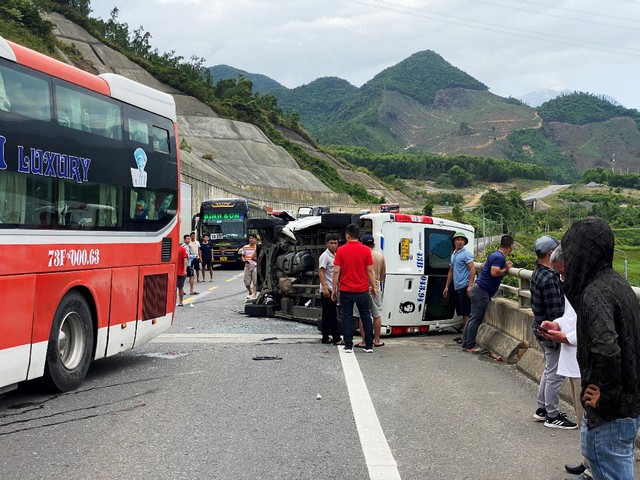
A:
522,291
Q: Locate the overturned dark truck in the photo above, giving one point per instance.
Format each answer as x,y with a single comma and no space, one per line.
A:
416,248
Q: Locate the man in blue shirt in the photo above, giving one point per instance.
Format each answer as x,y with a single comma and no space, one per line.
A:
463,273
486,286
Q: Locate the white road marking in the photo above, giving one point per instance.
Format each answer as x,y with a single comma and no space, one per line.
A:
213,338
377,454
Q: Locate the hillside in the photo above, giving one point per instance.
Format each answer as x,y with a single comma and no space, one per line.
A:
424,104
260,83
316,101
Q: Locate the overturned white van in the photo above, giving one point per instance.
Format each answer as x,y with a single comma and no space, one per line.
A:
416,248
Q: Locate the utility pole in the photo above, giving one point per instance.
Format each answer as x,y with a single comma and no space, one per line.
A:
613,163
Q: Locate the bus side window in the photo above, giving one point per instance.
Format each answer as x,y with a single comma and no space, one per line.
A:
5,103
160,139
88,113
138,131
25,95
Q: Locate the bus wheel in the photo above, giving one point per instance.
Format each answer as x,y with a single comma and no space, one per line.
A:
70,344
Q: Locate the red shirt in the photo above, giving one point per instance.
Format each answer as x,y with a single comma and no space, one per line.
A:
182,258
353,258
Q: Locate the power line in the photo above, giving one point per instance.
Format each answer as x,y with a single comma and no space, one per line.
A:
561,17
497,28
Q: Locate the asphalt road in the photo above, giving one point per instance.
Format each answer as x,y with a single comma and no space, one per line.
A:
225,396
545,192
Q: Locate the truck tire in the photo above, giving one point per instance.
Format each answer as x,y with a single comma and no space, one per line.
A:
266,311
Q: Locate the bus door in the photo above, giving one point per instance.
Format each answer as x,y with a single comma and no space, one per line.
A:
405,284
438,249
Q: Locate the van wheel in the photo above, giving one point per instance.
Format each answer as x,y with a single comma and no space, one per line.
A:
70,344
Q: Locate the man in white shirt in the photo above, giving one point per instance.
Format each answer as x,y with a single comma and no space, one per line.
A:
194,247
329,305
250,264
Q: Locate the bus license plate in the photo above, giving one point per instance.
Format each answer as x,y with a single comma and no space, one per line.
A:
405,248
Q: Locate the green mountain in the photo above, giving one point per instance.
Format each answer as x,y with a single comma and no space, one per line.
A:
580,108
260,83
421,76
336,112
422,103
316,101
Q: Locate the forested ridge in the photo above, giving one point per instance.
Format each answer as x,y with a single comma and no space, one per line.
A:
581,107
460,171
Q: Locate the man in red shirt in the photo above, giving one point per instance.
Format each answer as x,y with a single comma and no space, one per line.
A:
354,278
181,270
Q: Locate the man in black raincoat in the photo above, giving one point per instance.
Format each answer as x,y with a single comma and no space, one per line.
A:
608,330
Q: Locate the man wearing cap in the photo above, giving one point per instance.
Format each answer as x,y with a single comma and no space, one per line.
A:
462,271
547,303
495,267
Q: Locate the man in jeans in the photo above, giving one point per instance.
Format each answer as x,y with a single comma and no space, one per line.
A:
354,278
608,330
547,303
495,267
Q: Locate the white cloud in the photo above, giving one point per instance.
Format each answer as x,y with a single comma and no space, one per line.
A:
513,46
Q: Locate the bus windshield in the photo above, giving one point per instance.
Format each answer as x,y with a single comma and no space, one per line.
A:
224,225
224,220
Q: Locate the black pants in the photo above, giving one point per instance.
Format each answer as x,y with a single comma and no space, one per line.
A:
330,318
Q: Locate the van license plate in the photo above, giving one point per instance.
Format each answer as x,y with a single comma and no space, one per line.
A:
405,248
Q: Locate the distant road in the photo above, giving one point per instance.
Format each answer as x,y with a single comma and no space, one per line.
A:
545,192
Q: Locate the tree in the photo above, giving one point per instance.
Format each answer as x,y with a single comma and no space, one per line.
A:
457,213
465,129
83,7
428,209
459,178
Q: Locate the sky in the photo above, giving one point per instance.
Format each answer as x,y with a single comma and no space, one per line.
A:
515,47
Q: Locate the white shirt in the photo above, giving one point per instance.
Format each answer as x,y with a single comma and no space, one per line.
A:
326,262
568,361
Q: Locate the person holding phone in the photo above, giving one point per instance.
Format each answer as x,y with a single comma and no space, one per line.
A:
547,303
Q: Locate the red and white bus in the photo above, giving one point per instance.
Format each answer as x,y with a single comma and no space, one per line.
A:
89,189
389,208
